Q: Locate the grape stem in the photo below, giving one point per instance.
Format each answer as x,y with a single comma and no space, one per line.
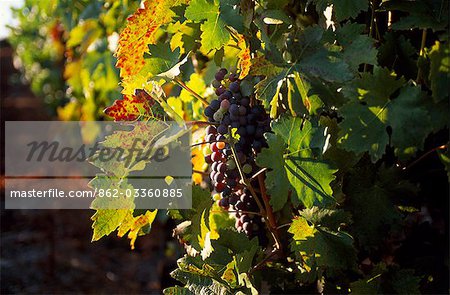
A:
199,172
262,262
258,173
270,216
237,211
200,123
284,225
195,94
205,142
442,147
247,183
421,52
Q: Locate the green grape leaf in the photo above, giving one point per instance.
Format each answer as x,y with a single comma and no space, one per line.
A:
397,53
199,278
357,49
368,200
229,12
268,89
162,61
422,14
294,167
343,9
214,34
331,219
439,71
373,107
320,248
324,64
383,279
111,212
373,89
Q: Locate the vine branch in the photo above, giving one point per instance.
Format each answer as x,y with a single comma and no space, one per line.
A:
195,94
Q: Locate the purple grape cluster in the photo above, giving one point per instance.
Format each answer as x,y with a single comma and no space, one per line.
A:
233,111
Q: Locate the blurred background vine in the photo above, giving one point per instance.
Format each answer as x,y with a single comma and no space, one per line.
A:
65,50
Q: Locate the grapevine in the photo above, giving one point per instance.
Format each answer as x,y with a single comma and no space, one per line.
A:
320,147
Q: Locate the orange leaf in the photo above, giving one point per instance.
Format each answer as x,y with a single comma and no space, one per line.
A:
140,31
132,106
244,62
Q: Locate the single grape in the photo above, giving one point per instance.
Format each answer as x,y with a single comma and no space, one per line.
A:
231,181
215,156
218,116
222,167
210,137
220,137
257,146
227,94
224,203
237,96
223,71
234,86
251,118
247,168
242,110
219,177
209,112
225,104
226,119
234,109
233,199
234,173
208,159
213,147
245,198
219,76
235,124
242,120
219,187
216,83
233,77
245,101
244,218
231,164
222,129
251,129
226,192
214,166
240,206
234,118
214,104
219,91
259,132
242,131
211,129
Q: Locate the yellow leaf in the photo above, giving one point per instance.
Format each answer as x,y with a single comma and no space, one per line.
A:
198,161
244,58
141,30
133,225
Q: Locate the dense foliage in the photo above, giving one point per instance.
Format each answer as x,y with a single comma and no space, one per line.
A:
350,179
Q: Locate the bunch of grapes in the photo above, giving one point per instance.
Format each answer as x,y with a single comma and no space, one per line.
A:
235,118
